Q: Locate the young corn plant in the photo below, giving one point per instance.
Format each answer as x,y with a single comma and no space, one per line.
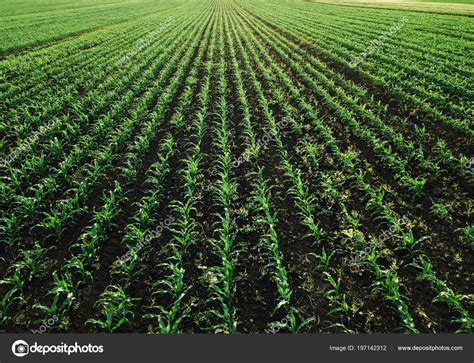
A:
103,222
304,203
115,307
6,303
12,296
467,236
32,260
169,317
388,285
223,291
275,265
408,242
64,294
324,258
445,295
338,302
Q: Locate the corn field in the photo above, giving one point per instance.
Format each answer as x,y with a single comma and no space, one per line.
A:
235,166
